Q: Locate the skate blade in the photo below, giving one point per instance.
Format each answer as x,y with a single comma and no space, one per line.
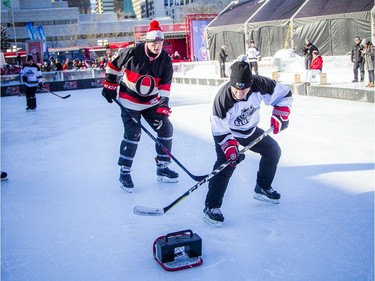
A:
127,189
211,221
166,179
264,198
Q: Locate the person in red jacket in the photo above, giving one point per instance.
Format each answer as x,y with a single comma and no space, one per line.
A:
315,67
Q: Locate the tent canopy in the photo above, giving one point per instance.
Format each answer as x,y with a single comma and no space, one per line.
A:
331,25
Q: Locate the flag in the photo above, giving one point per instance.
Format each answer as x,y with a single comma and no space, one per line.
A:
30,30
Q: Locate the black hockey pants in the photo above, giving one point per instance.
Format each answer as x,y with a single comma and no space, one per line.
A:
270,154
30,97
132,135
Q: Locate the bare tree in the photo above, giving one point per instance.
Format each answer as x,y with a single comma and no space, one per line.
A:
205,7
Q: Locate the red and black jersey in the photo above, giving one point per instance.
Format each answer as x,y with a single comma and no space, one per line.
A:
145,79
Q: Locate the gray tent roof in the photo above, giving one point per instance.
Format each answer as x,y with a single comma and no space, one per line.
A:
316,8
277,10
242,11
332,24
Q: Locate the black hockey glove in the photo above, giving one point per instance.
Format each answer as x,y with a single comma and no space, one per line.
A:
24,79
163,109
40,85
109,91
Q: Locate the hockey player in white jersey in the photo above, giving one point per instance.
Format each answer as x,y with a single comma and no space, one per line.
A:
234,122
33,78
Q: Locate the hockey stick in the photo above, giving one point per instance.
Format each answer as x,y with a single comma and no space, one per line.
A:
47,91
147,211
166,151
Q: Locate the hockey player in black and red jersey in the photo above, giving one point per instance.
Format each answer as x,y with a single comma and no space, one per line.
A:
33,78
234,122
144,92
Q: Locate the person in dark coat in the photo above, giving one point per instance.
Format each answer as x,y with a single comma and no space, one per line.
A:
222,59
307,51
357,59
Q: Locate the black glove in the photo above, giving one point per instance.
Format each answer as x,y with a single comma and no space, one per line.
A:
24,79
163,109
40,85
109,91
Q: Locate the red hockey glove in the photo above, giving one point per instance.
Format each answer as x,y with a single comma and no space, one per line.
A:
109,91
280,118
230,149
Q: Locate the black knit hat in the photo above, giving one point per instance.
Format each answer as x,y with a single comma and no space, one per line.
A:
241,76
30,57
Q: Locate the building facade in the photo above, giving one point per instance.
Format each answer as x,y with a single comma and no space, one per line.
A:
64,26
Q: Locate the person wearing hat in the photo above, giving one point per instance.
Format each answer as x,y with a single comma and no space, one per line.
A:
315,68
357,60
368,53
222,59
33,78
144,91
234,121
307,52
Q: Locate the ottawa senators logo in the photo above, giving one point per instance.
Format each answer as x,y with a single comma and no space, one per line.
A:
145,85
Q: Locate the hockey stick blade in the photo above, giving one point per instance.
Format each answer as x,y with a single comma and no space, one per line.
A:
61,97
65,97
146,211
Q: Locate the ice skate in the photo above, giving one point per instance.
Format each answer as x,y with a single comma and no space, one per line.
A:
213,216
165,174
266,195
126,181
4,176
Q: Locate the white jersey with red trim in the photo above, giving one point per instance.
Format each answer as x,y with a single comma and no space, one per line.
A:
145,78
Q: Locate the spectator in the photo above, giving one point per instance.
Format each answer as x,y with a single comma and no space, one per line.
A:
32,76
222,59
253,56
68,65
368,54
315,67
176,56
77,64
307,53
357,59
58,65
18,59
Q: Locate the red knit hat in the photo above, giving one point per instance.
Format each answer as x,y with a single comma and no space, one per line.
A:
155,33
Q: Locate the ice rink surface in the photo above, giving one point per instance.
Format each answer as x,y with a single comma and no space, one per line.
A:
64,217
